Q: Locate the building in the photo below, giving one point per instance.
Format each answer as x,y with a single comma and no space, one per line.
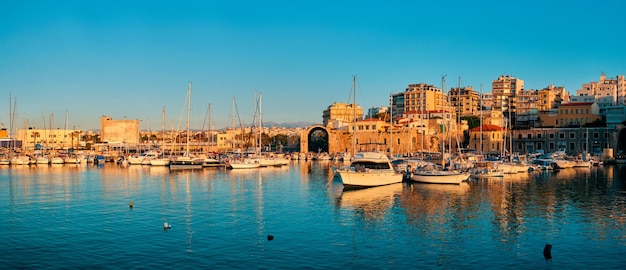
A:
613,87
571,140
124,132
339,114
423,97
486,101
503,89
397,104
376,111
487,138
526,115
577,114
49,138
465,100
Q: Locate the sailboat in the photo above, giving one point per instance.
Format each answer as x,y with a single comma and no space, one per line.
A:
369,168
186,162
161,160
433,174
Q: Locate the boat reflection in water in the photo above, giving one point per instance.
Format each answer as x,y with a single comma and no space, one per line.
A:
373,202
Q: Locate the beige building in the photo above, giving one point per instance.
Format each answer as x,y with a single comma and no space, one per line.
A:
503,89
119,131
423,97
49,138
465,100
577,114
488,139
615,87
551,97
339,114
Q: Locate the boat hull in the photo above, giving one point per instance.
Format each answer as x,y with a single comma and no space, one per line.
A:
440,177
355,179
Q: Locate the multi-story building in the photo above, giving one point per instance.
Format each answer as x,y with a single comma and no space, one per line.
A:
503,89
465,100
339,114
613,87
376,111
577,114
571,140
49,138
423,97
397,104
486,101
551,97
487,138
526,115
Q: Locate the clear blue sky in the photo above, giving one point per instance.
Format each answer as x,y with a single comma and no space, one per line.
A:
128,59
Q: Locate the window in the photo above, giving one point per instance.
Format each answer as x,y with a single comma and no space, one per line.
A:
539,146
572,135
584,135
538,135
519,136
572,146
551,146
551,136
529,136
596,135
562,135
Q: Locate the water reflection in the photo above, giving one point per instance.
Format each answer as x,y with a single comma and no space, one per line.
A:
372,203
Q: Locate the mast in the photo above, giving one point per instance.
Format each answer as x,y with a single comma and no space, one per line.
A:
443,141
391,125
260,123
481,119
188,113
354,122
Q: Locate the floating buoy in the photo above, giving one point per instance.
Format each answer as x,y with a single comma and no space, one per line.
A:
166,225
130,205
547,252
270,237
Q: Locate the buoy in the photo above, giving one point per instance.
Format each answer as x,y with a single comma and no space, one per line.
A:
166,225
131,205
547,252
270,237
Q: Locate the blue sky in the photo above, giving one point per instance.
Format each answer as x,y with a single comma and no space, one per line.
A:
128,59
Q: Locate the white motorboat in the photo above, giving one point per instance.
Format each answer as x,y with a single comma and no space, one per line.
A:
486,169
20,160
369,169
56,160
162,161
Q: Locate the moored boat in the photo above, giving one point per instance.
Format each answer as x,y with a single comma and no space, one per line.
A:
369,169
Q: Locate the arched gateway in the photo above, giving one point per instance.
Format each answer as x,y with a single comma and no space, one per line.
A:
315,139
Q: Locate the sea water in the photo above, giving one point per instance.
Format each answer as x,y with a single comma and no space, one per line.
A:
298,216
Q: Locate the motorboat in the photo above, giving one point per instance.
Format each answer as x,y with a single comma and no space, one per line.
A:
368,169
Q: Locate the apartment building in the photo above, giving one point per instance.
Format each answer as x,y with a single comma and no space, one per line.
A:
339,114
605,87
503,89
423,97
465,100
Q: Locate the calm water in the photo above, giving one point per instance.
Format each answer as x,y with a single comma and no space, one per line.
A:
79,217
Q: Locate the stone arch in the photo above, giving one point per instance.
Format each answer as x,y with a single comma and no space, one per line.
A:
315,139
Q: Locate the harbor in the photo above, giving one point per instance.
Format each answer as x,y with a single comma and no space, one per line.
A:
87,216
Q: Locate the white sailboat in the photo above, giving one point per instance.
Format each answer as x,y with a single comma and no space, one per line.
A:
433,174
161,160
186,162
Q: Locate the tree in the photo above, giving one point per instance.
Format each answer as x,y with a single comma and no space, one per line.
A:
472,121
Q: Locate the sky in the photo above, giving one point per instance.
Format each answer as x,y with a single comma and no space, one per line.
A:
75,61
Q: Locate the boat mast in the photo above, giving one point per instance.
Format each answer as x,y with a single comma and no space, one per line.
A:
481,119
391,125
354,110
443,140
188,113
